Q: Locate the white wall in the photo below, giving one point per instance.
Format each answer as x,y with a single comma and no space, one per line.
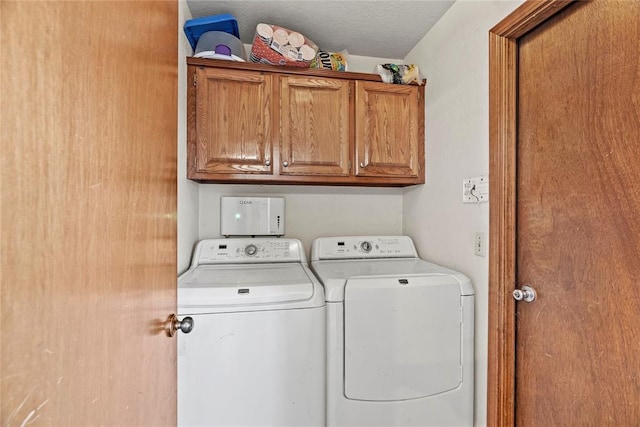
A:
188,198
453,57
367,64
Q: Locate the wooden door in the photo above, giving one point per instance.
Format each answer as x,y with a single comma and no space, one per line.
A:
230,128
389,130
88,216
575,224
314,126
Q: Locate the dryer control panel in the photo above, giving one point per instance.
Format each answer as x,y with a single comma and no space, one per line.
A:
254,250
363,247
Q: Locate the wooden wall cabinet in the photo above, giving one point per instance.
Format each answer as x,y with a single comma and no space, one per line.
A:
253,123
233,122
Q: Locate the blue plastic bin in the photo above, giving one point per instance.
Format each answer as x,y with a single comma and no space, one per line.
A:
194,28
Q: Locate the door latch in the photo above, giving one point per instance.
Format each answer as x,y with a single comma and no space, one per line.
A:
527,293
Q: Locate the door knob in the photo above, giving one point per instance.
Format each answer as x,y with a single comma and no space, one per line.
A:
285,163
173,325
362,165
527,293
267,163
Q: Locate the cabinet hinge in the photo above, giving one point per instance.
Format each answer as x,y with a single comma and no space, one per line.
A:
195,79
349,164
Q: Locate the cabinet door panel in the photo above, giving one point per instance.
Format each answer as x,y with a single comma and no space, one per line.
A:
389,141
233,121
314,121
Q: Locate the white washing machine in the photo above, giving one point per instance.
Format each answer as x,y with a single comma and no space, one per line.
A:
400,335
256,355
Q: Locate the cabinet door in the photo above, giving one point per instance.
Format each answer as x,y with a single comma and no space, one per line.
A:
314,122
389,130
233,122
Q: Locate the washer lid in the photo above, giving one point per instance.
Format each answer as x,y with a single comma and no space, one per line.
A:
228,285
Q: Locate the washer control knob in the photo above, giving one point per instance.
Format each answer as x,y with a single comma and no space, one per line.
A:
251,250
365,246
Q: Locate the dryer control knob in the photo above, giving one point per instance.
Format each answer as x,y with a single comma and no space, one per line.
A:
251,250
365,246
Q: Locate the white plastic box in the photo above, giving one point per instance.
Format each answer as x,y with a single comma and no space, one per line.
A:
252,216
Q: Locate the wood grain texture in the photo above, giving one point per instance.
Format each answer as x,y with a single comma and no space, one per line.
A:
503,54
305,120
578,233
502,251
233,121
388,140
88,214
305,72
528,16
314,126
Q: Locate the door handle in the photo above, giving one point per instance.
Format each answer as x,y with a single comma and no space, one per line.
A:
173,325
527,293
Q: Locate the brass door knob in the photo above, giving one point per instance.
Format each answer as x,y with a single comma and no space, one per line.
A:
174,324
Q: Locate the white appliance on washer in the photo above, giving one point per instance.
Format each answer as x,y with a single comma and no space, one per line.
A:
256,355
400,334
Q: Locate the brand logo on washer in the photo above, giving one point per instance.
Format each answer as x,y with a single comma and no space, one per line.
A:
245,202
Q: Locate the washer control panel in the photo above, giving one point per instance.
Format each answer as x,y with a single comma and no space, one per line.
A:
245,250
353,247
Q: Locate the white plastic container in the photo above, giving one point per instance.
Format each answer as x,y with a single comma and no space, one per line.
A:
252,216
220,45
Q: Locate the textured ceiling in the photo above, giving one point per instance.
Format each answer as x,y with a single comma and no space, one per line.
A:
378,28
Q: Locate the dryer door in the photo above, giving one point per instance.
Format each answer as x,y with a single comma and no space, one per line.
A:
402,337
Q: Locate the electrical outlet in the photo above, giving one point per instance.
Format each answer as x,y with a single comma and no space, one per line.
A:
479,244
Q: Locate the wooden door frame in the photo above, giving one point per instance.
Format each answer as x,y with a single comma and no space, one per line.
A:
503,60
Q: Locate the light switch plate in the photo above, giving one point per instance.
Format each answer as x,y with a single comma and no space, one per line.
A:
476,189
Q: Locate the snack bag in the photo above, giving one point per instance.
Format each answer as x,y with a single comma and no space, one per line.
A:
399,74
330,61
279,46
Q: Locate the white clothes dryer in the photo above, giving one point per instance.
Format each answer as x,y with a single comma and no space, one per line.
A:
400,334
256,355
